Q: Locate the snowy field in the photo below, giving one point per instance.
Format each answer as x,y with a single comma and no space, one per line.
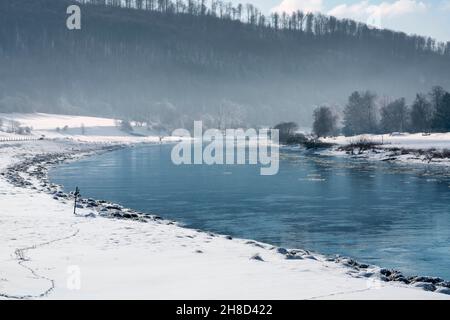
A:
79,128
47,252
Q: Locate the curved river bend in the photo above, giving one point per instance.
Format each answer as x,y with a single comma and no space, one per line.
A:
396,216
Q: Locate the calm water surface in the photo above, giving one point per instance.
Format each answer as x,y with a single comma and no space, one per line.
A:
396,216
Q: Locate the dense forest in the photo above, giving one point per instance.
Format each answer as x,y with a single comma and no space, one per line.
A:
175,61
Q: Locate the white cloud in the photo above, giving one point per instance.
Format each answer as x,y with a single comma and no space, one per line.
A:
306,6
445,5
365,10
391,14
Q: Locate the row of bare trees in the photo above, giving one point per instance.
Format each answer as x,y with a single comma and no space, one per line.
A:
317,24
170,66
13,126
364,113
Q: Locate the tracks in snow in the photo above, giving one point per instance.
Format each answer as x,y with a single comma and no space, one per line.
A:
20,255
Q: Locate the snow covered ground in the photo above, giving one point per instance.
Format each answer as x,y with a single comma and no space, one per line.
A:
410,141
78,128
48,252
407,148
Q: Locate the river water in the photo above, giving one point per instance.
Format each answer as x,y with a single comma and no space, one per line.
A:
395,216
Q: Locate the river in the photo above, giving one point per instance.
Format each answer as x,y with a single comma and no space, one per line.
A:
392,215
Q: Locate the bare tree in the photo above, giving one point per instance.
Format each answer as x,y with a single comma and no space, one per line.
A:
421,114
286,130
139,4
360,113
394,116
441,118
325,121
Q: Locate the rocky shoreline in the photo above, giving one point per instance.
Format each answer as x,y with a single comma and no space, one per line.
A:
427,283
33,173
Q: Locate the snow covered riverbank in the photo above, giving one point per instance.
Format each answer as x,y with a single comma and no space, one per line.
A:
406,148
48,252
43,241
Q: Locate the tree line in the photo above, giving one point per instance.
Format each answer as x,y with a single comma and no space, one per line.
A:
172,62
366,113
317,24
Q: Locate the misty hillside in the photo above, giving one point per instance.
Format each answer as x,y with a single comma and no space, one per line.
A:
175,64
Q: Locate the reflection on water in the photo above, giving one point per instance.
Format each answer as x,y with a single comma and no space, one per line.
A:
392,215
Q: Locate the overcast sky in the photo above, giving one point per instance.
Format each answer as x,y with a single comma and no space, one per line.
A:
424,17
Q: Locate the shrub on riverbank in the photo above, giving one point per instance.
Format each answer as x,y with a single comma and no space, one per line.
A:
360,145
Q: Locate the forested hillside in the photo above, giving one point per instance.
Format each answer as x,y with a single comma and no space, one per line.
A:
178,61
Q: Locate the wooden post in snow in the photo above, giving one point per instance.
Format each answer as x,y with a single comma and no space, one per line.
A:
76,194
